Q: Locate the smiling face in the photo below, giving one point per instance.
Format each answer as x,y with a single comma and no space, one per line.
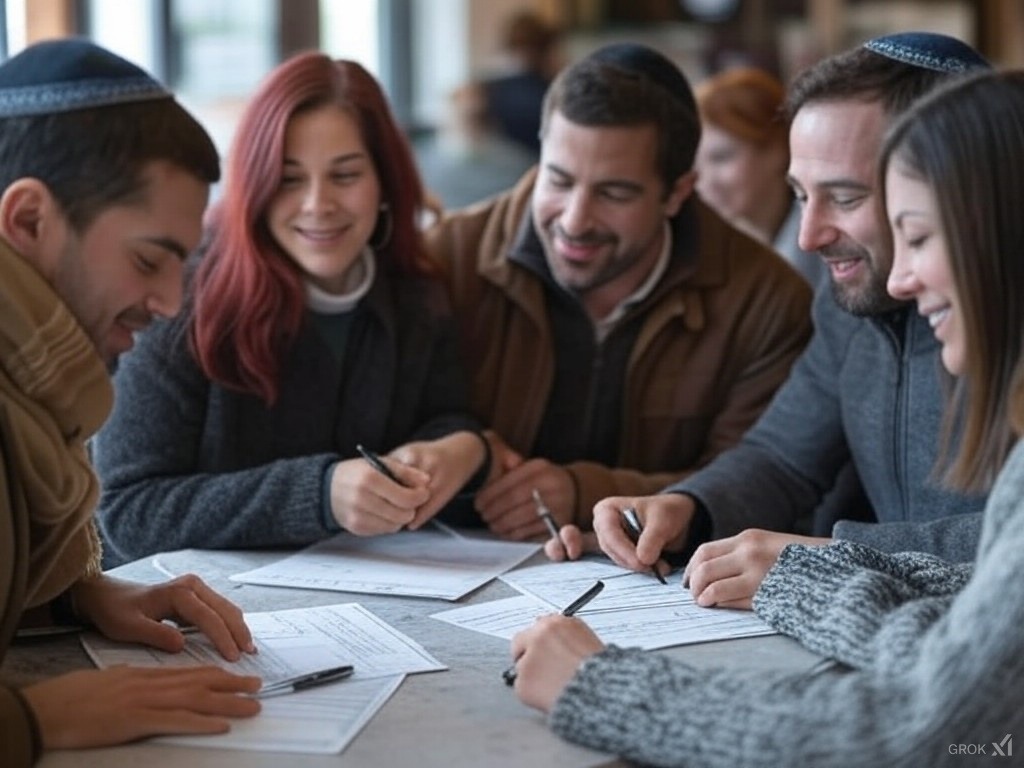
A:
921,268
599,206
833,147
126,266
735,176
327,204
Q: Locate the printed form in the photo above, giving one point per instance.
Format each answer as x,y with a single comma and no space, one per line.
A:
634,610
319,720
425,563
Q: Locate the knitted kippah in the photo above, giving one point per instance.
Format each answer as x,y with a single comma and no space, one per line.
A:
644,61
69,74
929,50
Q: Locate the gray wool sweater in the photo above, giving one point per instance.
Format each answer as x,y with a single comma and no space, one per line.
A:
935,656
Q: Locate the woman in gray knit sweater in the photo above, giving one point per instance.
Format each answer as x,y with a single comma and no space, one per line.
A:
932,655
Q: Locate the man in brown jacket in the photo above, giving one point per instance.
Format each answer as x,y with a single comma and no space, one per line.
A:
618,333
103,182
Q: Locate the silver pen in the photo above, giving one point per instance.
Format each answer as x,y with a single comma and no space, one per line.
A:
631,524
545,514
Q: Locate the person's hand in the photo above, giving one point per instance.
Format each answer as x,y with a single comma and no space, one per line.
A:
547,655
368,503
96,708
508,507
449,461
504,458
666,522
726,573
571,544
131,612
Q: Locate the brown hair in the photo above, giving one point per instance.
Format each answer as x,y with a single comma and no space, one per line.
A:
966,141
596,92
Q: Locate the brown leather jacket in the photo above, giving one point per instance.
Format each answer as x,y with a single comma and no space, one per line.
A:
721,331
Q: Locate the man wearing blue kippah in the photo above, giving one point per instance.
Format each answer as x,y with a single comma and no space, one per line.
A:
103,181
868,390
865,388
619,334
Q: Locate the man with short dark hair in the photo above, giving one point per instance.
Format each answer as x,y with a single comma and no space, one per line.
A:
618,333
103,181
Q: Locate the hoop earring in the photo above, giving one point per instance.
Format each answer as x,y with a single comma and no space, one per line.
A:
381,235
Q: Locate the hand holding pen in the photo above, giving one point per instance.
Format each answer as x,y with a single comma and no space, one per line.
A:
555,547
566,542
377,463
634,529
509,675
368,497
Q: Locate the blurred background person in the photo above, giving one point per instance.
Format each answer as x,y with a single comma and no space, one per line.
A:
743,158
466,160
512,100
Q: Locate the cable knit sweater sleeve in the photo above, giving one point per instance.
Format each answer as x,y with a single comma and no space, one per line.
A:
855,604
957,683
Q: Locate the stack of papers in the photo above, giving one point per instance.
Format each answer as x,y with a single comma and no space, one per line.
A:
634,610
318,720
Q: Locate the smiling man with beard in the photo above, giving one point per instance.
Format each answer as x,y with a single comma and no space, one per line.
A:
619,334
868,390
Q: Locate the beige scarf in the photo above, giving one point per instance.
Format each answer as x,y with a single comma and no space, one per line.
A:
56,394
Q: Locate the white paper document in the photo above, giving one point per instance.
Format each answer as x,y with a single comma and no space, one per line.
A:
633,610
319,720
426,563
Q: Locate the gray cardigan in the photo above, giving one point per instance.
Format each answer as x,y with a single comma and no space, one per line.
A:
869,390
187,463
935,654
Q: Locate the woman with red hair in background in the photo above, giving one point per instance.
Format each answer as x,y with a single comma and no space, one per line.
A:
743,158
315,322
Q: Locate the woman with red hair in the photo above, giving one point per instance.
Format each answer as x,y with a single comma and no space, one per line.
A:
743,158
315,322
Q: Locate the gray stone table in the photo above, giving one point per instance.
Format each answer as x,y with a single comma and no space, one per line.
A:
463,717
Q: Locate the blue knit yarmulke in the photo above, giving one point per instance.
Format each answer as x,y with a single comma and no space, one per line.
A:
929,50
69,74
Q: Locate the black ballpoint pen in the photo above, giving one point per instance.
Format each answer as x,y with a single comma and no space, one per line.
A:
302,682
509,675
375,461
633,528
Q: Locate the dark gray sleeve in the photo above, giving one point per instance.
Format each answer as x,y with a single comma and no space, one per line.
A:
155,496
790,458
953,538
